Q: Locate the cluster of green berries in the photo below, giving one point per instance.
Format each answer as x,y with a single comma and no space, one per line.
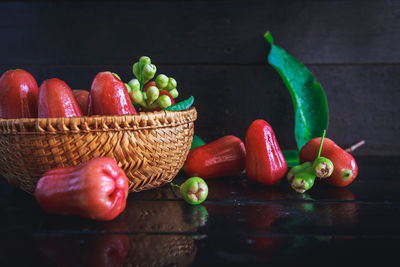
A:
154,95
302,177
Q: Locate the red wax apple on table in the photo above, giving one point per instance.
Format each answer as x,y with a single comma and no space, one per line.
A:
57,100
222,157
18,95
345,166
265,163
96,189
109,96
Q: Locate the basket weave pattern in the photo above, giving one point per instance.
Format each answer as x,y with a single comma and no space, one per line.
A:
150,147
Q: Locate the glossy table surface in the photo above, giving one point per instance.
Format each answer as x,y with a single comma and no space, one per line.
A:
240,224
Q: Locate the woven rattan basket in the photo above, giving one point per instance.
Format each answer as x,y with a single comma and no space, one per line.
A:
150,147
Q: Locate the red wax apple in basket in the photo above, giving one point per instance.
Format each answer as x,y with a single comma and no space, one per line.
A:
82,97
57,100
109,96
18,95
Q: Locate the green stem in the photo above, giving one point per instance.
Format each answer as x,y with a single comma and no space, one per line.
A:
141,82
320,145
175,185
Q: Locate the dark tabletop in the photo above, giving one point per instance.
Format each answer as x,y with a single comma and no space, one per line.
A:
240,223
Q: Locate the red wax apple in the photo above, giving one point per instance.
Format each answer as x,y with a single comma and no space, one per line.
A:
109,96
82,97
265,163
57,100
96,189
18,95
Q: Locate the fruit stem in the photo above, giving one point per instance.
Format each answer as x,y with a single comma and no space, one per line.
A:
355,146
320,145
175,185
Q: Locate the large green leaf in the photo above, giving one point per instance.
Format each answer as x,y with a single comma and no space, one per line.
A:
291,157
308,96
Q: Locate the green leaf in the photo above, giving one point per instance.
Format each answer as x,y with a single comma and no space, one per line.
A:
137,106
291,157
308,96
183,105
197,141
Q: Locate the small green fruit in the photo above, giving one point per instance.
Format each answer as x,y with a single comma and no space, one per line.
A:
161,81
194,190
171,84
323,167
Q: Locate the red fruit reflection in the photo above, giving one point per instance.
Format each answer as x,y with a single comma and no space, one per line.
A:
88,250
344,213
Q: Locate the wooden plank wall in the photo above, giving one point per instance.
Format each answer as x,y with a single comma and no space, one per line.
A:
216,51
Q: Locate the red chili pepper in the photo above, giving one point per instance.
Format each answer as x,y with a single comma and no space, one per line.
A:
109,96
82,97
96,189
57,100
18,95
222,157
265,163
345,166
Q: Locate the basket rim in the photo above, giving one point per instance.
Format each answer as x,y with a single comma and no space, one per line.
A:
98,123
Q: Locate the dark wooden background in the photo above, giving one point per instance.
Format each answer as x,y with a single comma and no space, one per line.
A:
216,51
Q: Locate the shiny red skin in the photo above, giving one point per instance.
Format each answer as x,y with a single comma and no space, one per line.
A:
265,163
222,157
18,95
109,96
82,97
56,100
96,189
341,160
